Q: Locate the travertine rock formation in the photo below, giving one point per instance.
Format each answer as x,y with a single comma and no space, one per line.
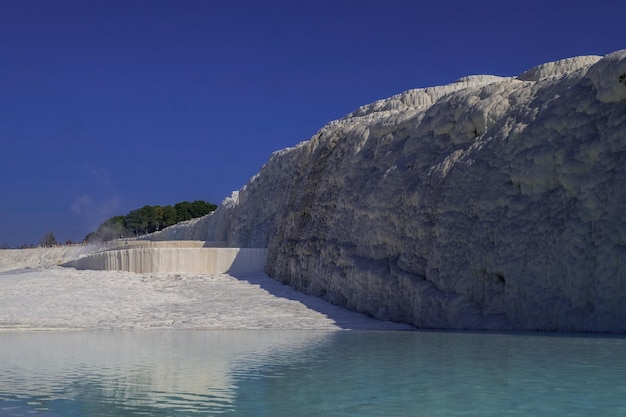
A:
192,257
489,203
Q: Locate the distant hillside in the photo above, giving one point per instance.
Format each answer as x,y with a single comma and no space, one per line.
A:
149,219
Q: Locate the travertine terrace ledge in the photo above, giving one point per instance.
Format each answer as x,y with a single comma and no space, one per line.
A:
132,243
194,257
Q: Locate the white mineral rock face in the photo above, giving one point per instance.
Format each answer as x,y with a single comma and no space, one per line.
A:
489,203
184,260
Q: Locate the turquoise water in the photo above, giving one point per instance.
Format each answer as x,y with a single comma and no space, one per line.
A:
305,373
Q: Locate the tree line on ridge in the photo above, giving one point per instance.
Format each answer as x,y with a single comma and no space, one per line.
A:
149,219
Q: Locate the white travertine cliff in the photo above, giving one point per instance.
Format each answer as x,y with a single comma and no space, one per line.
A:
489,203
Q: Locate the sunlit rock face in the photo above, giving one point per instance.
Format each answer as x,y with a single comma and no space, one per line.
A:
489,203
196,257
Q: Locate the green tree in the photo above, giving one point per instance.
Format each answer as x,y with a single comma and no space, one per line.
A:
201,208
183,211
169,216
48,240
158,215
149,219
133,222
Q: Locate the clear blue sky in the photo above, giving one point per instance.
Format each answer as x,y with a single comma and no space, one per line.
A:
107,106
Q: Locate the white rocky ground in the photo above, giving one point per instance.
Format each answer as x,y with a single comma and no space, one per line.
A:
38,294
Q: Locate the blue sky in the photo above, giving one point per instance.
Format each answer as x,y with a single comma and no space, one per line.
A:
107,106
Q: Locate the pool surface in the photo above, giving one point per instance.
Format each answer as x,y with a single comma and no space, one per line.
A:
310,373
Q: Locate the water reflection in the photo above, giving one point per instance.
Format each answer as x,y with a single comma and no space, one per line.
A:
304,373
132,372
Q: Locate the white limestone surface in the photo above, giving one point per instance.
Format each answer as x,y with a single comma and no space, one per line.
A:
12,259
36,294
488,203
